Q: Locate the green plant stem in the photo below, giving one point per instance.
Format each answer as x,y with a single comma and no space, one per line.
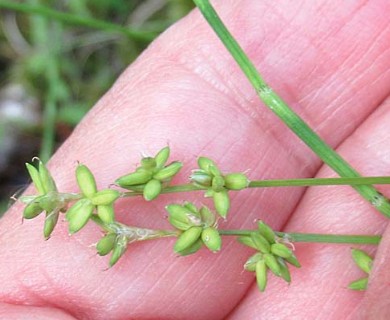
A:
288,116
319,182
293,237
312,237
77,20
280,183
42,37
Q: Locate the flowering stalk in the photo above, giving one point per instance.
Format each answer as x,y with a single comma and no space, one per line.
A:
193,227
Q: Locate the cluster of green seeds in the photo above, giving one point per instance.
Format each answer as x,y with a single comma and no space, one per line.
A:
194,227
151,176
272,255
217,185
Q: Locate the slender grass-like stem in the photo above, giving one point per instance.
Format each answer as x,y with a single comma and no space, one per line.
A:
293,237
77,20
280,183
313,237
42,38
288,116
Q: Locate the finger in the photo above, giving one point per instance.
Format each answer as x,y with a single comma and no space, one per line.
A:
178,92
320,288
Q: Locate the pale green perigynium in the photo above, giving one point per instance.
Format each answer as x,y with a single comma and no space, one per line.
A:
364,262
92,201
48,198
272,254
209,176
197,227
151,177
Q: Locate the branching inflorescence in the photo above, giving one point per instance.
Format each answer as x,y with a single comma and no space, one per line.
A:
194,227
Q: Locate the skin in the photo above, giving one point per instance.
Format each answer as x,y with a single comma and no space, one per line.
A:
329,60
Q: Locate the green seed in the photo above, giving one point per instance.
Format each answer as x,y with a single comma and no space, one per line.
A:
218,183
85,180
272,263
201,178
359,285
178,224
191,207
207,217
266,231
205,163
222,203
177,212
152,189
79,214
187,239
293,260
236,181
362,259
191,249
105,197
284,271
247,240
35,177
261,243
250,264
106,213
148,163
46,178
281,250
214,171
49,201
50,223
32,210
119,249
167,173
135,178
261,275
212,239
161,157
106,244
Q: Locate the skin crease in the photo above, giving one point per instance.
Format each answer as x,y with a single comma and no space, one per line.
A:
329,60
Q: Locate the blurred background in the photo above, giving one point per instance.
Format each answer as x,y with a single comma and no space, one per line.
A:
53,68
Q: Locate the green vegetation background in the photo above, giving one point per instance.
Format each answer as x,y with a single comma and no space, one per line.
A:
61,68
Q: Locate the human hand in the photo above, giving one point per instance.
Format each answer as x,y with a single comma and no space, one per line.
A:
329,62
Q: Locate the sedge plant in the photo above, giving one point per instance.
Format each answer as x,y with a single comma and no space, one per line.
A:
195,227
